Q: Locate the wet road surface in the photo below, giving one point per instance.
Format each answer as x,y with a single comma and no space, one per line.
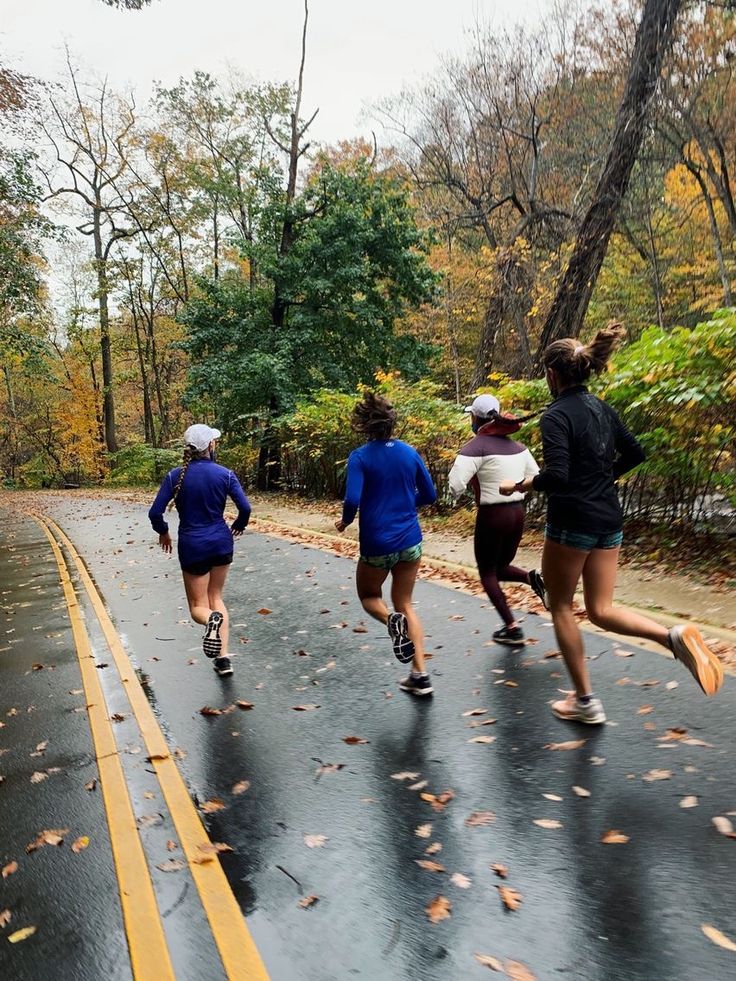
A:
589,910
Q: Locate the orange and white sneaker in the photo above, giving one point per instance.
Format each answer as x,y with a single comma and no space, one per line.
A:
573,710
689,647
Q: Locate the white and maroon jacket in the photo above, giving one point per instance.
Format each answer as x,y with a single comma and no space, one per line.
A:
486,461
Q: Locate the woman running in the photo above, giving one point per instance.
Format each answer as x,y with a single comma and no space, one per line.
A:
387,481
489,459
200,489
586,449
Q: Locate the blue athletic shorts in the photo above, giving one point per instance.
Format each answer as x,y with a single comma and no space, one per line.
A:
581,540
412,554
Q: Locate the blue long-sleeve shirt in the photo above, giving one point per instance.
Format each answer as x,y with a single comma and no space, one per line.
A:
203,531
387,480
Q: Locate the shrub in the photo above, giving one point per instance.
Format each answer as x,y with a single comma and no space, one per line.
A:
140,463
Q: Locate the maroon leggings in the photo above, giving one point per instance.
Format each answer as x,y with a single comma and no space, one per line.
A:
498,531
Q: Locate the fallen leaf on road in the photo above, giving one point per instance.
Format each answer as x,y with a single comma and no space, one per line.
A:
474,712
622,653
418,786
485,740
148,820
440,908
172,865
5,918
651,776
673,735
487,961
245,706
118,717
479,818
717,937
38,776
360,629
550,823
24,934
41,747
439,801
329,768
597,760
315,841
724,826
518,971
671,685
429,865
80,843
171,845
308,901
571,744
460,880
691,801
483,722
433,848
510,898
355,740
9,869
581,791
550,655
207,850
423,831
264,611
404,775
501,871
696,742
511,684
645,710
208,710
52,836
305,708
553,797
614,837
211,806
240,787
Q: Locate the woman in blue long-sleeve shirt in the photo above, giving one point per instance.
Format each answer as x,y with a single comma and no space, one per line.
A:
387,481
200,489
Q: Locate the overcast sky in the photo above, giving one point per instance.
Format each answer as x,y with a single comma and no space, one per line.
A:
358,50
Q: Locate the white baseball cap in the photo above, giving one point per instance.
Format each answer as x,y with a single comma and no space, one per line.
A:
200,436
484,406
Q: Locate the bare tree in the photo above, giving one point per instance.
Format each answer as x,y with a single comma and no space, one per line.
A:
89,135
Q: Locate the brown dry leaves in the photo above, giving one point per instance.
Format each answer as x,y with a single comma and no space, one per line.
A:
315,841
429,866
652,776
716,937
52,836
502,871
571,744
724,826
438,801
614,837
305,708
240,787
355,740
439,908
9,869
212,806
308,901
479,819
510,898
551,824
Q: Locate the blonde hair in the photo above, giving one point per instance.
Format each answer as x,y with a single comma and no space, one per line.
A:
574,362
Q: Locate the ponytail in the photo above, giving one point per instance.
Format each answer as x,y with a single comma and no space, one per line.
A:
574,362
189,453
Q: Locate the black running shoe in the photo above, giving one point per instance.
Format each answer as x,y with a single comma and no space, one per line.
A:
398,630
417,686
511,637
211,642
537,583
223,666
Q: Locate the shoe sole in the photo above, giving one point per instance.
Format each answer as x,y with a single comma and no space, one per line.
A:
225,673
598,720
509,643
211,642
541,594
417,691
402,644
700,661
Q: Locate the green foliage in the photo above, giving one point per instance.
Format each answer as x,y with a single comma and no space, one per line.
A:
356,264
139,463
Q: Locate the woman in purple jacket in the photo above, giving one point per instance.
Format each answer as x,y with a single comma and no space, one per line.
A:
200,489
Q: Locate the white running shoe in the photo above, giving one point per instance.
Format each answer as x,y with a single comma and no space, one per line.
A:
571,709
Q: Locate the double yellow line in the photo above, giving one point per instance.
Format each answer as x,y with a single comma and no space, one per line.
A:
146,940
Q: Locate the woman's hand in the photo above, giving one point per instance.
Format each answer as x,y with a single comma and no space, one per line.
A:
165,542
506,488
236,532
340,525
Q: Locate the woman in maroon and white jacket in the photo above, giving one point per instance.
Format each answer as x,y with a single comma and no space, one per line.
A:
489,459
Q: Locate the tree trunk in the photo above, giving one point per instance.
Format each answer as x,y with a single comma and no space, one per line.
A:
716,236
149,431
567,313
108,398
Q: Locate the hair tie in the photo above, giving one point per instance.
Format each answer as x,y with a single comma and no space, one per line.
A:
578,349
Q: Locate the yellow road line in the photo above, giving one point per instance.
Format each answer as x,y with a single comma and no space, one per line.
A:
240,956
149,954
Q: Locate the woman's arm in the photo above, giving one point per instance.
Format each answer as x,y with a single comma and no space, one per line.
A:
157,511
353,491
629,452
463,470
426,491
555,475
241,502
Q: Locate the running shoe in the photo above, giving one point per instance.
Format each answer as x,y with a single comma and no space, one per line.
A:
510,636
211,642
689,647
537,583
398,631
417,686
571,709
223,666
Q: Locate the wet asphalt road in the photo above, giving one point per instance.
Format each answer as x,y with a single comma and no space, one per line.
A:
590,911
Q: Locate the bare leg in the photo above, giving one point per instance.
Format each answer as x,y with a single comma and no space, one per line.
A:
403,577
196,589
599,580
217,578
368,582
562,566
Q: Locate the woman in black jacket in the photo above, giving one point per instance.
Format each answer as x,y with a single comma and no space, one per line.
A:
586,449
